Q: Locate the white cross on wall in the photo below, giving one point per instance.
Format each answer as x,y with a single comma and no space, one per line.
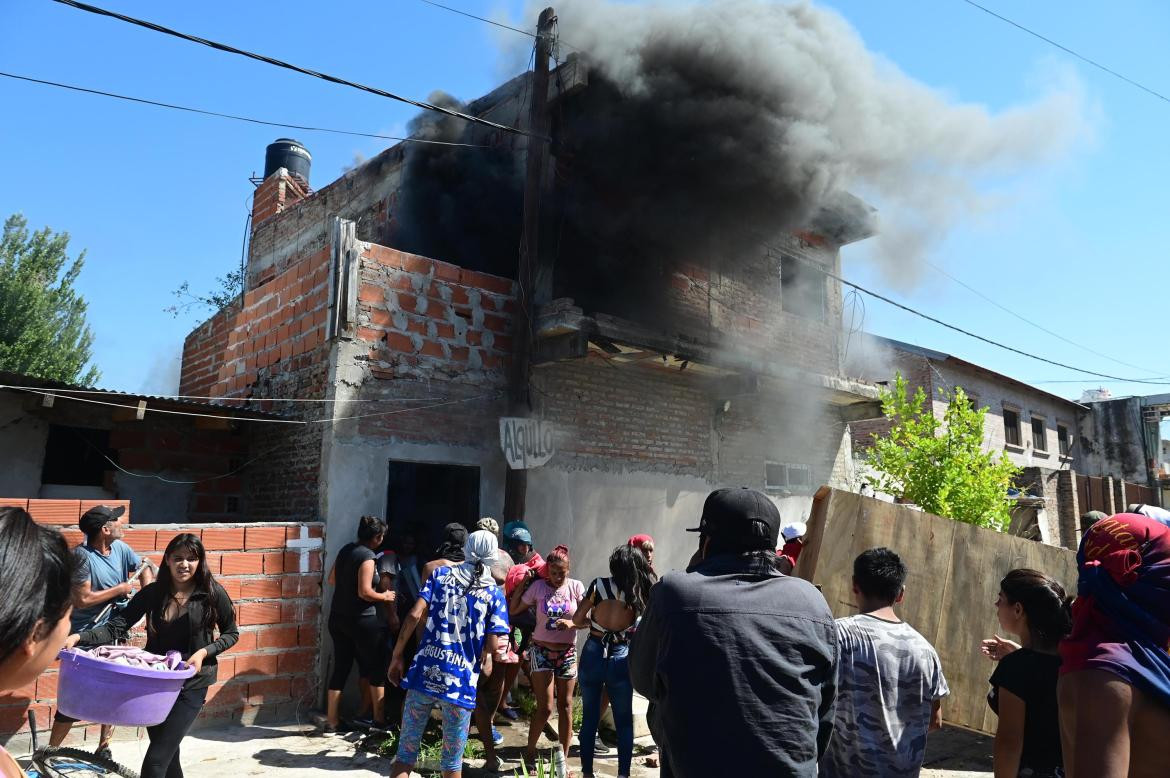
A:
304,544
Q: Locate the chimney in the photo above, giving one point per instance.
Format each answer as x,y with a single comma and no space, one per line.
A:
286,179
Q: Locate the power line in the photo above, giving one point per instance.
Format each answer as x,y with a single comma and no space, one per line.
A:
295,68
1067,50
494,23
956,328
221,398
483,19
1057,335
264,420
248,119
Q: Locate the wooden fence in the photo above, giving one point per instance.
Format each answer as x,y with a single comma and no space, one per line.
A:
955,570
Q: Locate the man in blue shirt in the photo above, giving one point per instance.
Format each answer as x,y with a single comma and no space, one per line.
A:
105,565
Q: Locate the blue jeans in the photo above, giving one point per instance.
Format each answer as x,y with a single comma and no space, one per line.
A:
595,672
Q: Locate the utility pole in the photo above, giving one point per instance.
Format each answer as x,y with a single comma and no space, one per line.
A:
520,401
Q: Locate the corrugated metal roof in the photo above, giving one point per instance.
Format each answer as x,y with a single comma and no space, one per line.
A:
18,381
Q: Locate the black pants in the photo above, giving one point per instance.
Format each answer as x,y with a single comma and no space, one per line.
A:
362,638
162,756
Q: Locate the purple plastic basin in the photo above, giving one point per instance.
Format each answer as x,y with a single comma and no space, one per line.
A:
103,692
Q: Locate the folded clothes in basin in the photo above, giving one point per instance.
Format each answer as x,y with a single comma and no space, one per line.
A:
136,657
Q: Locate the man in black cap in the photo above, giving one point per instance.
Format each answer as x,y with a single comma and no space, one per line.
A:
105,565
739,660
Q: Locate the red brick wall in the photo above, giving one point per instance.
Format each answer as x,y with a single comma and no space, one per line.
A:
271,346
276,193
426,318
278,330
273,667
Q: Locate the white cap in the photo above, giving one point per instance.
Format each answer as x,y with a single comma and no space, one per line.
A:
793,531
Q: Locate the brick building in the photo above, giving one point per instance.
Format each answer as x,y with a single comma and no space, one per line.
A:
1050,437
729,375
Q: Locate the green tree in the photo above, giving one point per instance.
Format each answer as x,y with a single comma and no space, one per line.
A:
941,465
228,292
43,331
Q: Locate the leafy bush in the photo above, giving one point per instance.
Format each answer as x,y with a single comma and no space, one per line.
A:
941,465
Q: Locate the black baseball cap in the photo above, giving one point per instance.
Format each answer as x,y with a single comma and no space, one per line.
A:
93,519
740,513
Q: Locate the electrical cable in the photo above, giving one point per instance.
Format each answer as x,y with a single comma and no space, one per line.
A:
295,68
1067,50
268,420
501,25
956,328
220,398
1039,327
248,119
483,19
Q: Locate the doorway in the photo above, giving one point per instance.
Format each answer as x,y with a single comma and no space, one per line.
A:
423,498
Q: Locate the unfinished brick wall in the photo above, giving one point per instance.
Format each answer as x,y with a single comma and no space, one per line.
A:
272,345
743,310
275,193
366,195
270,671
423,318
626,416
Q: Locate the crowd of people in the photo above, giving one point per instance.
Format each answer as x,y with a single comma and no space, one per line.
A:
744,665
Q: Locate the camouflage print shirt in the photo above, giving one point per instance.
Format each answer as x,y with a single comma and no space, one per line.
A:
889,677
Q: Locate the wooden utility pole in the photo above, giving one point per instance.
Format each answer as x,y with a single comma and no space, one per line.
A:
520,404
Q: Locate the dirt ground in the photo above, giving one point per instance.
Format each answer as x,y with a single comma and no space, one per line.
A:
255,750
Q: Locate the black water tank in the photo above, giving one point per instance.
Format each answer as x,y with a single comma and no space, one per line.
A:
289,154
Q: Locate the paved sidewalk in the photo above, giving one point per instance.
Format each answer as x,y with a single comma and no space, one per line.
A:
237,751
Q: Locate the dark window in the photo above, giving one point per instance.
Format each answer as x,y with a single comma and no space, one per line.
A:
802,288
1039,434
785,477
423,498
76,456
1011,427
1064,439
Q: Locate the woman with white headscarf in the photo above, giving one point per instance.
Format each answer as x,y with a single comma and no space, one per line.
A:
465,613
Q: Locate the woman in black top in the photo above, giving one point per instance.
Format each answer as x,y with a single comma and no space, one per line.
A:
184,610
354,624
1023,687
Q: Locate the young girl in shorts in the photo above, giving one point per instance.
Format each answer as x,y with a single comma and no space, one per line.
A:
553,653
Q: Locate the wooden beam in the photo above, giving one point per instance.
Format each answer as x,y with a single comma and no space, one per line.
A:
560,348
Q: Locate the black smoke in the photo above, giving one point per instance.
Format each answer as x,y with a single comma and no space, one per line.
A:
706,130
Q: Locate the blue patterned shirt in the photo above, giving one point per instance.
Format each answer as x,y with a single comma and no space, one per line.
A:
446,665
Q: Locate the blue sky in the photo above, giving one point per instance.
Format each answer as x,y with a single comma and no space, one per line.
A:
158,197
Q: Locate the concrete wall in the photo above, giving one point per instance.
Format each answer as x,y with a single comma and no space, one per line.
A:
1111,437
22,439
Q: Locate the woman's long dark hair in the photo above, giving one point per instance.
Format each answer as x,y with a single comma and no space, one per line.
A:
1046,604
38,573
204,581
633,575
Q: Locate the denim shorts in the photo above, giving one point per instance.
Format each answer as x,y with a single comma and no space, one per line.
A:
562,663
